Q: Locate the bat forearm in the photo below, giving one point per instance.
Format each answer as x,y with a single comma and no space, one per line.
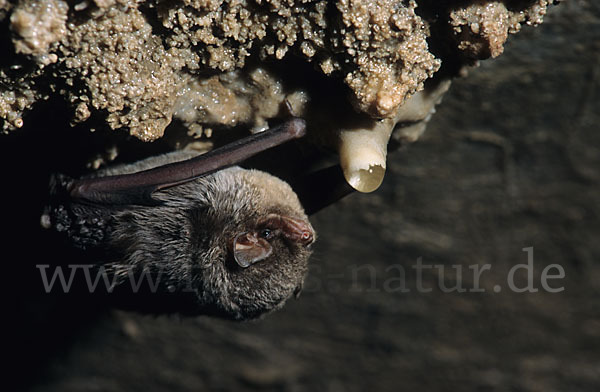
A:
112,188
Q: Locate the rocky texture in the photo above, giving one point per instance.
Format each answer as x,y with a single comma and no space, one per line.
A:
124,68
481,29
39,26
386,41
355,70
130,64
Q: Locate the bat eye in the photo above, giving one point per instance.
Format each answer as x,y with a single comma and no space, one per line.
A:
267,234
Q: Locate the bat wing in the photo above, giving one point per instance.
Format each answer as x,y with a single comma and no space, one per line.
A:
137,188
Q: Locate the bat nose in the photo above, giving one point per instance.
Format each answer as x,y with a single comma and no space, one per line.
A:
308,237
297,230
300,231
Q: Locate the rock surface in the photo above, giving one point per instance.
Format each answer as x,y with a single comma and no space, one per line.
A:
131,64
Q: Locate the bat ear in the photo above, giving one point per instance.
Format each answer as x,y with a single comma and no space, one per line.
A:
248,249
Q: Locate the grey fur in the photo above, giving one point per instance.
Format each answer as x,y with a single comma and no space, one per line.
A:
186,240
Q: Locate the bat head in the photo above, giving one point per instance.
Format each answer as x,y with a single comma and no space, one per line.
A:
256,240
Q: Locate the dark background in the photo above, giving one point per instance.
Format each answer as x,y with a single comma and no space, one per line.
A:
510,160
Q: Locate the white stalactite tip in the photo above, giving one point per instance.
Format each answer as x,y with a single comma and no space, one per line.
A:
363,150
363,154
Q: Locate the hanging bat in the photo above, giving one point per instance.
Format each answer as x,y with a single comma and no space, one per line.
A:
229,241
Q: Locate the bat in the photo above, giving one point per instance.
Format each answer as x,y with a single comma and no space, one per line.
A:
228,241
